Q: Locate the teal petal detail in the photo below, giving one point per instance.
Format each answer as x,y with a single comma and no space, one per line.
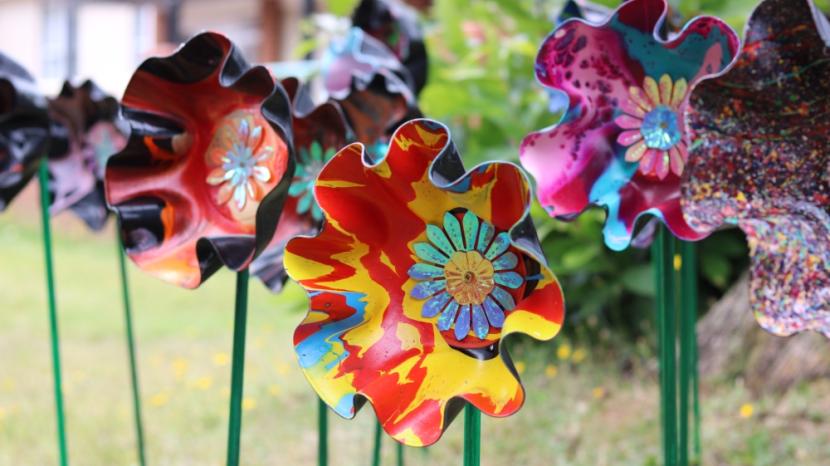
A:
424,290
305,202
427,252
509,279
504,298
435,305
316,212
480,325
304,158
453,229
508,261
470,230
462,324
421,271
316,151
494,313
438,238
447,317
297,188
499,246
485,236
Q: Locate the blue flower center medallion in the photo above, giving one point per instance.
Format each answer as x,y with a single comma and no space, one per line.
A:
660,128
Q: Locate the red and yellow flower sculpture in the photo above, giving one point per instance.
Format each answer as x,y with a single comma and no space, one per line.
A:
419,273
205,173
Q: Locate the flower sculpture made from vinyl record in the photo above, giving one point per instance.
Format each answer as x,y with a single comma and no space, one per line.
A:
621,144
319,132
204,175
762,158
84,134
419,273
24,129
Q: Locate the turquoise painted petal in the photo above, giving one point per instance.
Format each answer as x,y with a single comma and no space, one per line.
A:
485,236
297,188
504,298
438,238
424,290
480,325
316,212
316,151
427,252
470,230
500,244
453,228
299,171
508,261
304,204
421,271
509,279
303,159
448,316
328,154
494,313
435,305
462,324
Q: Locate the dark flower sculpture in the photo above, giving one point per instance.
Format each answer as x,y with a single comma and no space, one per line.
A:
621,144
24,129
419,273
206,169
396,26
319,132
761,160
84,133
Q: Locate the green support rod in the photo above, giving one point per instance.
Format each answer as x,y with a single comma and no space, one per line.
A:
238,367
128,321
43,178
322,433
688,350
400,454
472,436
376,449
662,258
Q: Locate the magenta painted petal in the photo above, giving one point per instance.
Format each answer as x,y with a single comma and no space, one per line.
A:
628,122
636,152
627,138
676,161
648,161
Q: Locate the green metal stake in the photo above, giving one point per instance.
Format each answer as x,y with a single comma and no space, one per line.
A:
663,256
376,449
43,178
128,320
472,436
400,454
322,433
238,367
688,351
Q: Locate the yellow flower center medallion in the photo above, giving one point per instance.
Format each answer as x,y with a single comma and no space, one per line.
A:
470,277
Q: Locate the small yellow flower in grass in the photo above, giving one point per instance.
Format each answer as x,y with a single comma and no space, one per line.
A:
221,359
551,371
578,355
678,262
520,367
563,352
248,403
2,413
203,383
598,392
274,390
282,368
180,366
746,410
159,399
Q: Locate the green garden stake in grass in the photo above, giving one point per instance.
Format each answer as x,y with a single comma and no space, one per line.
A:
472,436
53,315
128,323
322,433
688,351
663,258
376,449
238,367
400,454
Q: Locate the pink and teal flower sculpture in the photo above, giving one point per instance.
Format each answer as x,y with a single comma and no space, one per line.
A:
621,145
761,161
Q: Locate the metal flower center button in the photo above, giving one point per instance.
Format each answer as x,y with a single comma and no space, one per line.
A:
469,277
660,129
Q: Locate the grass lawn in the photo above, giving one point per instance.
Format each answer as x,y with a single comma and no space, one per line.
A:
580,410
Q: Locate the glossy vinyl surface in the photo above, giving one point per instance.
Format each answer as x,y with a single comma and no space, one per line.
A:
611,149
419,273
203,178
85,131
319,132
396,26
24,129
762,162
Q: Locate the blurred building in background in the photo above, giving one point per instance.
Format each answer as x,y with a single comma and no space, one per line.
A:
106,39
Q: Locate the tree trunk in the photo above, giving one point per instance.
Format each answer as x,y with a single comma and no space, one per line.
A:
732,344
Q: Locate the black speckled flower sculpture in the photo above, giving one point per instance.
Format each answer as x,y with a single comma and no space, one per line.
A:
24,129
761,160
203,178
